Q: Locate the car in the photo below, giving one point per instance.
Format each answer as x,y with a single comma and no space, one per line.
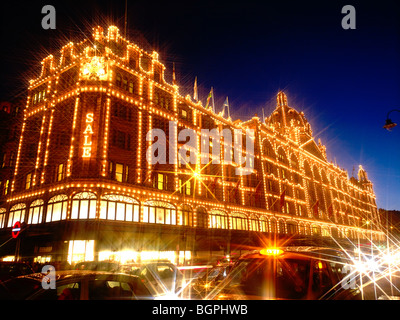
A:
210,279
76,285
160,276
307,273
10,269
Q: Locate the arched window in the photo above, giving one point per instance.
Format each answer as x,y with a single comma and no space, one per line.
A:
292,227
17,213
254,223
307,229
316,230
218,219
282,156
185,216
268,150
202,218
282,227
57,208
239,221
121,208
84,206
159,212
2,217
317,176
36,212
273,227
325,232
264,225
302,229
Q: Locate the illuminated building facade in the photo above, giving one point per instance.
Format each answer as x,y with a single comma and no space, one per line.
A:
83,188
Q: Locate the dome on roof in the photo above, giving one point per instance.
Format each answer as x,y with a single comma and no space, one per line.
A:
285,116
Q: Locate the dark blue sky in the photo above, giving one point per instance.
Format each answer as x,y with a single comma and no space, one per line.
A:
344,80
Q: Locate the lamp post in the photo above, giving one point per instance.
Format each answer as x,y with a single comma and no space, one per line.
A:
389,124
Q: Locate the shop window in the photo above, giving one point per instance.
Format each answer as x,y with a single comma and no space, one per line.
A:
282,227
36,212
121,208
159,212
273,227
292,228
254,223
17,213
264,225
185,216
218,219
57,208
84,206
202,218
80,250
2,217
239,221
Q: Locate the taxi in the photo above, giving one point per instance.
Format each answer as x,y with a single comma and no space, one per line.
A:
307,273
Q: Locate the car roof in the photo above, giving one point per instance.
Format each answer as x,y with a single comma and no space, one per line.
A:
299,252
66,274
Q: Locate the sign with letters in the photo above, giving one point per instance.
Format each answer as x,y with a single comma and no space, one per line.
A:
87,136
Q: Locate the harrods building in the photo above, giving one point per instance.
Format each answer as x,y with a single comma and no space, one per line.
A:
82,187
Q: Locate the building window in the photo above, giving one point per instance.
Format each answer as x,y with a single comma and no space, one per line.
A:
2,217
17,213
84,206
121,140
57,208
185,216
159,212
119,171
36,212
282,228
6,187
218,219
80,250
202,218
185,187
239,221
254,223
292,228
184,114
160,181
273,228
28,181
60,172
264,227
118,80
121,208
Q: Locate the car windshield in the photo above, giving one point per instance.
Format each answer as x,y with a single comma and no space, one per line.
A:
272,278
18,288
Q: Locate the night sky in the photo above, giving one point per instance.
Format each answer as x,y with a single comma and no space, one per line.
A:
345,81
